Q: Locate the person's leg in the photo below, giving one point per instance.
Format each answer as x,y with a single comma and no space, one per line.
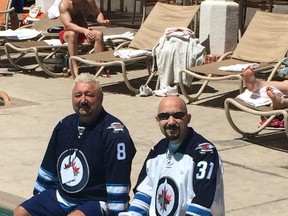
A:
99,46
6,99
20,211
18,5
99,42
72,39
14,20
44,203
278,102
77,213
280,85
251,82
90,208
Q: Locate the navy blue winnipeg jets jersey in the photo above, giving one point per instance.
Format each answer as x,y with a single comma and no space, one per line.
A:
93,166
186,182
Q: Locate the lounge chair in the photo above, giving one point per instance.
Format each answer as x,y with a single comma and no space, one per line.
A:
48,47
266,111
161,17
35,31
265,41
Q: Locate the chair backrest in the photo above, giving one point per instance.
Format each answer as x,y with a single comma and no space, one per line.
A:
265,39
5,5
45,23
162,16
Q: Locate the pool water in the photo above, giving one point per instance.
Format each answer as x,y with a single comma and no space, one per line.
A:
5,212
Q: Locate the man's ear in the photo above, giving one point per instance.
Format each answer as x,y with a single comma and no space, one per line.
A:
188,118
157,121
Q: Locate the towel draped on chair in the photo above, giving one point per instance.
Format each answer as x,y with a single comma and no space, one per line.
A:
175,51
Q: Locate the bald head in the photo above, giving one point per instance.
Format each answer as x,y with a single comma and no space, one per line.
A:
172,104
173,118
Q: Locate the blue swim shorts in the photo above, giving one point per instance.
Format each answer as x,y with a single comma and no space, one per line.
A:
46,204
18,5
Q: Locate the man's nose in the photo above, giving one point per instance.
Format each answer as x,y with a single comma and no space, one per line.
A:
83,99
170,119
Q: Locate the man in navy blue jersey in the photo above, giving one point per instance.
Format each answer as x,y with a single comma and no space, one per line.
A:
86,168
182,175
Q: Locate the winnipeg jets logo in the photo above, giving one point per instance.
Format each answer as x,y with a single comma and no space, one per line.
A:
205,148
73,169
166,197
117,127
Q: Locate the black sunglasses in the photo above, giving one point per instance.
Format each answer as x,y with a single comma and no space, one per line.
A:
166,115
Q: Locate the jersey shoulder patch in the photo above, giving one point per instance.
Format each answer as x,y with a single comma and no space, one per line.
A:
116,127
205,148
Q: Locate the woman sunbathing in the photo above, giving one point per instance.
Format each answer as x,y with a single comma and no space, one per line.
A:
278,102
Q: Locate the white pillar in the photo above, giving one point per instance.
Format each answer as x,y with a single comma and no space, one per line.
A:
219,25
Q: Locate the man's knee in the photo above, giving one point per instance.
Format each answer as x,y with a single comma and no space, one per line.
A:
76,213
20,211
71,36
98,34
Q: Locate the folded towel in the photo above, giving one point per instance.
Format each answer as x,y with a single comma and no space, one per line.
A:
179,32
129,35
238,67
128,53
258,97
54,42
19,34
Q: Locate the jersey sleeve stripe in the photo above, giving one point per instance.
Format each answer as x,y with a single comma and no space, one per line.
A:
195,209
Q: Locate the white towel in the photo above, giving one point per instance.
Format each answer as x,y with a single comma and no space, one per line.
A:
20,34
259,97
128,53
129,35
238,67
54,42
53,11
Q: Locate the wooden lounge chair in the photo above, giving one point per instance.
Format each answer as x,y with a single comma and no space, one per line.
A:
161,17
265,42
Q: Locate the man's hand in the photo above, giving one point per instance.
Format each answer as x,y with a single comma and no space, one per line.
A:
106,23
89,34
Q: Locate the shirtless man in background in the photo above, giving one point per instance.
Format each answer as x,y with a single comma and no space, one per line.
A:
73,14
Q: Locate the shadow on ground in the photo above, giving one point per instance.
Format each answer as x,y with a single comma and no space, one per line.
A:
216,101
119,87
17,102
275,139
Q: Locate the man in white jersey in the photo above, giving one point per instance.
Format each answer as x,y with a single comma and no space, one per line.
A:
182,175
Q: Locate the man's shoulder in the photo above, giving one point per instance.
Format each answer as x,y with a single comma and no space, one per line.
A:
114,124
68,119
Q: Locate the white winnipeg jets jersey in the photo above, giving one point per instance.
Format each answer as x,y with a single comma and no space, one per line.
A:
188,182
